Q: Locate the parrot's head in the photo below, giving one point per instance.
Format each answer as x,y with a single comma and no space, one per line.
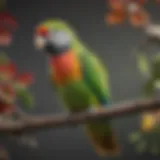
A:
54,37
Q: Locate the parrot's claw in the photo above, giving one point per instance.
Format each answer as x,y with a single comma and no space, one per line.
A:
93,109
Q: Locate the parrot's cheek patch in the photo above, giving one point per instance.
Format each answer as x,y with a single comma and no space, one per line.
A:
39,43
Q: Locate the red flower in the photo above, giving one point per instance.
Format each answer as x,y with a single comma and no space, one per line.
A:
12,69
9,69
9,91
25,78
6,108
8,21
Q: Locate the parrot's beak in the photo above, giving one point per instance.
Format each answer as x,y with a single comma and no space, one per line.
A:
39,42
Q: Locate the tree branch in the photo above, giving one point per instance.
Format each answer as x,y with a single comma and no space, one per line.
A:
33,123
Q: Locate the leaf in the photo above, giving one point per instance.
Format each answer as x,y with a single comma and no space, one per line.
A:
157,57
155,150
4,59
141,147
157,84
2,4
149,88
134,137
143,64
26,98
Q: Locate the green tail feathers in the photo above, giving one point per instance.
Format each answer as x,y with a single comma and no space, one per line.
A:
102,138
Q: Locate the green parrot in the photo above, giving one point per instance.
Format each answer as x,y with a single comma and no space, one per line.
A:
79,78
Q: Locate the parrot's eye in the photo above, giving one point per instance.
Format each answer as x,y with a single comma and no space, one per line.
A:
60,39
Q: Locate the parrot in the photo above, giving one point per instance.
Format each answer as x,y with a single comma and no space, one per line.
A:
79,77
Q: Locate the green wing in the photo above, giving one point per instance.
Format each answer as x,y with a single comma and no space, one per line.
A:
95,76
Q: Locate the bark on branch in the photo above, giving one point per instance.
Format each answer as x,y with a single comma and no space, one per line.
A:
32,123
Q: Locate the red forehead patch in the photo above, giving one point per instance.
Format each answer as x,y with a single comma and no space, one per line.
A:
42,30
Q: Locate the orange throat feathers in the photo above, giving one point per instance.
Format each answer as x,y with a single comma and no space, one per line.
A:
65,68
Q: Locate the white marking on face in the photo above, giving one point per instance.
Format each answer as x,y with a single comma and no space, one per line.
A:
59,38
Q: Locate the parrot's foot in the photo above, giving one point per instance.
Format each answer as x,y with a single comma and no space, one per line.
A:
94,109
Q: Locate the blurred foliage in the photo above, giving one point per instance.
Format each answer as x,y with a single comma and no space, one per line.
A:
147,138
132,11
2,4
8,25
14,85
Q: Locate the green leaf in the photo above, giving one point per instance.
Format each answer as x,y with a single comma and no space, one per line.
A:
157,84
143,64
141,147
26,98
157,58
149,88
2,4
155,150
4,59
134,137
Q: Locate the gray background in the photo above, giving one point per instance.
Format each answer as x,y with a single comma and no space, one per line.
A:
112,44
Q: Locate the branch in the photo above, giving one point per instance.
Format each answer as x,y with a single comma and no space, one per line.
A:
33,123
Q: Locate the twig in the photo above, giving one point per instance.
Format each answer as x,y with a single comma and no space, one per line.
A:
43,122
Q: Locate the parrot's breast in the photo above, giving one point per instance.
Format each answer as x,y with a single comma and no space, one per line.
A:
66,68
